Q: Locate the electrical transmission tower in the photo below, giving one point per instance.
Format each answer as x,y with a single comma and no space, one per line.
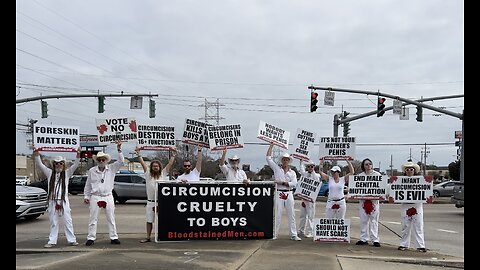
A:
215,116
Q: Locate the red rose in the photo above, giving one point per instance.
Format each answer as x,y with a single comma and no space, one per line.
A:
303,204
411,211
102,204
368,206
336,206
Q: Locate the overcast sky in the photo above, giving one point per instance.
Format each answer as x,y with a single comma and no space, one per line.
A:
257,58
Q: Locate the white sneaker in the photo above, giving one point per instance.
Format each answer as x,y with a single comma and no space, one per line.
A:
47,245
296,238
73,243
309,235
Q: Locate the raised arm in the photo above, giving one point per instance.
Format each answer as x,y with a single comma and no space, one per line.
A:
71,170
351,171
270,149
140,158
302,168
199,159
322,174
171,160
39,162
222,160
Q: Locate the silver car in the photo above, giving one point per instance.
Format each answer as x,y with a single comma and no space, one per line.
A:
128,186
31,202
444,189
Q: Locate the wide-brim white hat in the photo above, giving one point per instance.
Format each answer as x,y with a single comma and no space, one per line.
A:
309,162
58,159
411,165
102,155
235,157
286,155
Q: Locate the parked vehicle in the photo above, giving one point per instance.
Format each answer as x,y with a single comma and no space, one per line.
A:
444,189
76,184
458,195
31,202
22,180
43,184
129,186
323,189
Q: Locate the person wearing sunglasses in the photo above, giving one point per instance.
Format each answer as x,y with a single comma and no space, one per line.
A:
307,211
412,216
153,173
58,202
98,194
232,172
369,211
336,206
189,174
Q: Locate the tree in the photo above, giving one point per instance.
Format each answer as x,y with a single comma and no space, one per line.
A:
454,170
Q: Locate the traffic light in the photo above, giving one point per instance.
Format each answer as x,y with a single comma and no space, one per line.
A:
151,113
44,109
419,114
380,106
346,129
101,104
313,101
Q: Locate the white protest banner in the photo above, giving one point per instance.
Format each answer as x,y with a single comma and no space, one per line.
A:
303,144
308,188
411,189
273,134
195,133
331,230
154,137
225,137
52,138
368,187
337,148
110,130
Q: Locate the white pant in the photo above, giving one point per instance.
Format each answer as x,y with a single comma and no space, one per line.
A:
54,217
109,214
415,222
338,213
369,222
307,213
284,199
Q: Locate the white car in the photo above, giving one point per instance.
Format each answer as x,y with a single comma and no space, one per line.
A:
22,180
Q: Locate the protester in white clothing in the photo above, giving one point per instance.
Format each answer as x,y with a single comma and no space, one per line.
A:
369,211
58,202
189,174
286,180
336,206
307,209
412,216
98,194
232,172
152,174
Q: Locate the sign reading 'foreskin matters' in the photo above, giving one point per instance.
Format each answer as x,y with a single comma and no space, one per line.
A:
52,138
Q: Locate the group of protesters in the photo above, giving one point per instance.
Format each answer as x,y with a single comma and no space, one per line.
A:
100,182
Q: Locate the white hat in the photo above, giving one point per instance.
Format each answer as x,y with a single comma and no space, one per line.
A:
286,155
235,157
59,159
309,162
411,165
335,169
102,155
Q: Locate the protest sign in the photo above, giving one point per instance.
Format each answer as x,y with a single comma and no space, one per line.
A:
273,134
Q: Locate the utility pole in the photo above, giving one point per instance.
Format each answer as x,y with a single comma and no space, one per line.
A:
424,155
391,165
30,131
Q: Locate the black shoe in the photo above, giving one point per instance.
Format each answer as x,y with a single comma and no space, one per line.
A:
402,248
422,249
361,243
89,242
115,241
376,244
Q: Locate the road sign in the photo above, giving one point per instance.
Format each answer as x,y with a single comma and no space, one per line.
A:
397,106
404,114
329,98
136,102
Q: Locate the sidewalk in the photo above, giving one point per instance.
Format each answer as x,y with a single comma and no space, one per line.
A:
249,254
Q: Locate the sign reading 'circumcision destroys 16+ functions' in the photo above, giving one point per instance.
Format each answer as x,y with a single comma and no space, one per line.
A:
116,129
337,148
225,137
50,138
196,133
273,134
153,137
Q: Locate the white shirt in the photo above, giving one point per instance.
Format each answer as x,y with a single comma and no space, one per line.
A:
194,175
48,173
280,174
94,185
335,190
150,183
234,175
